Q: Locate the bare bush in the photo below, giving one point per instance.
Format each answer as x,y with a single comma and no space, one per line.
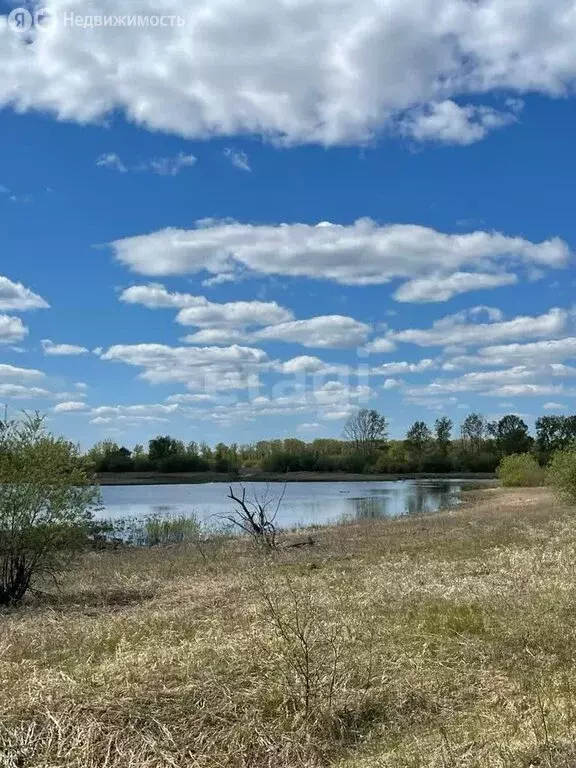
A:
328,663
257,516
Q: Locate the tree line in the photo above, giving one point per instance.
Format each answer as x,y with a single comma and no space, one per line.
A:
478,446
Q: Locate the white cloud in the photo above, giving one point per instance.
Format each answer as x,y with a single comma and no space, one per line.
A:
112,161
233,314
189,398
450,123
163,166
436,288
168,166
323,332
238,158
306,364
554,407
363,253
309,71
68,350
155,296
392,369
392,384
22,392
16,297
11,329
381,345
534,353
455,330
70,406
199,311
333,400
211,369
10,373
521,380
308,427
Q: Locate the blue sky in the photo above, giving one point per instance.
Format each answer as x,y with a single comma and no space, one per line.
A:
235,230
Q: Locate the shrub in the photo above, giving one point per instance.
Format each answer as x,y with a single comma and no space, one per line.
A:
46,497
561,475
520,470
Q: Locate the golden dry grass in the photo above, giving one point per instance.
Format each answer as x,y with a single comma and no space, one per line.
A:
440,640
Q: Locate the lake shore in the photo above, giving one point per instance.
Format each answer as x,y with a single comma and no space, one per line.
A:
191,478
435,640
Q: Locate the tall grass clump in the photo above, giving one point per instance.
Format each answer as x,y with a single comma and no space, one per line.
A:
521,470
157,530
561,475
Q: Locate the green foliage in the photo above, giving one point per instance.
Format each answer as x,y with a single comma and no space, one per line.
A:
555,433
443,430
520,471
46,497
561,475
164,446
510,435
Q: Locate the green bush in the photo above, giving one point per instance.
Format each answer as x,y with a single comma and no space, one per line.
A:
520,470
561,475
47,495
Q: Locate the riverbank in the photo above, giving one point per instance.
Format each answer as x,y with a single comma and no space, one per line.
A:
191,478
436,640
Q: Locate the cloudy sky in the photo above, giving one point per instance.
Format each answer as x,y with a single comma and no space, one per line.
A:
242,219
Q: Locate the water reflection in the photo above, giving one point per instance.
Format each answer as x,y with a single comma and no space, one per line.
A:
303,504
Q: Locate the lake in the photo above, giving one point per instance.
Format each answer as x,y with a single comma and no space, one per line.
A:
303,503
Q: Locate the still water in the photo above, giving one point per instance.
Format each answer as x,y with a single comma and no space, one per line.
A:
303,503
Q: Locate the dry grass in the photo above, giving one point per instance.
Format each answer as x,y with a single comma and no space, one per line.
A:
445,640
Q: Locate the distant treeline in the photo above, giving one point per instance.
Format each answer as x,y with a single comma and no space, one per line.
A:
365,448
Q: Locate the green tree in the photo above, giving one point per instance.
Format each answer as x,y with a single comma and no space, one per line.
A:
163,447
472,431
443,433
366,430
418,440
47,494
555,433
510,435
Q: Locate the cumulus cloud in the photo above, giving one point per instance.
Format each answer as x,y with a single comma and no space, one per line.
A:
23,392
331,401
401,367
16,297
200,312
212,369
11,329
520,380
534,353
330,331
554,407
381,345
449,123
11,373
65,350
457,330
436,288
70,406
233,314
363,253
296,72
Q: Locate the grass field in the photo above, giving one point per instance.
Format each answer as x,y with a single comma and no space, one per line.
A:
440,640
